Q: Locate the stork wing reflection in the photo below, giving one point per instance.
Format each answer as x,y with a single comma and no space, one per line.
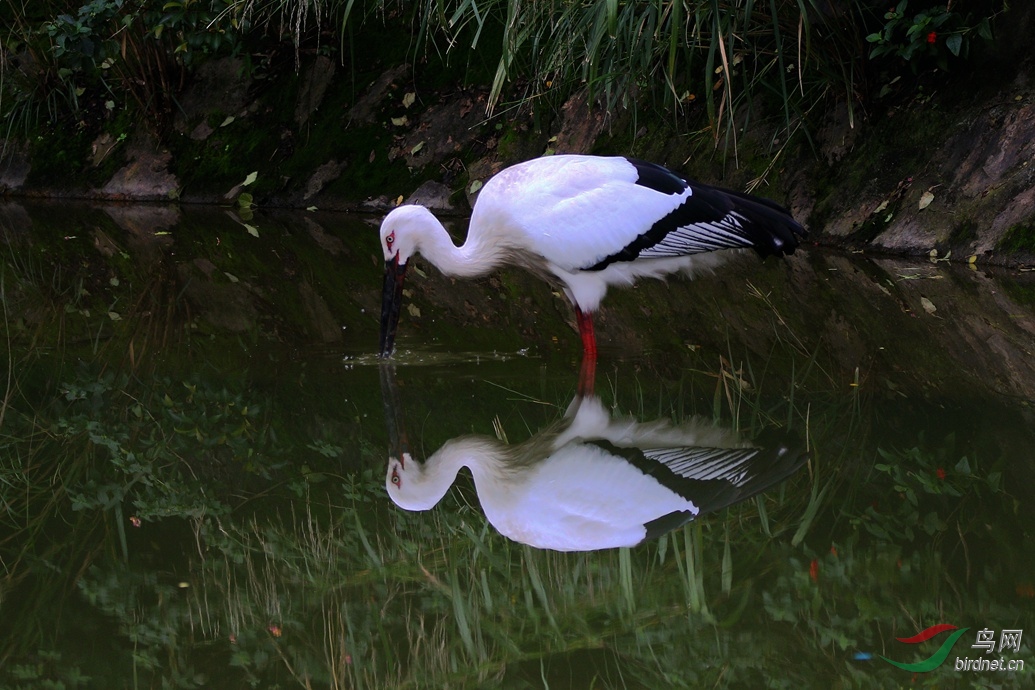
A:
593,481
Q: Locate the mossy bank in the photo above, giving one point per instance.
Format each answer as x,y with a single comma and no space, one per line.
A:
937,164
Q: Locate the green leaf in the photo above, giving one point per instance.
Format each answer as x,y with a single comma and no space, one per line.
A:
954,43
984,29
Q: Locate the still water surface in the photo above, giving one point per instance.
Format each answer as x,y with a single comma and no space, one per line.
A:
195,467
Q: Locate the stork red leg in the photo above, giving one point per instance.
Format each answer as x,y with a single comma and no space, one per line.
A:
589,340
587,377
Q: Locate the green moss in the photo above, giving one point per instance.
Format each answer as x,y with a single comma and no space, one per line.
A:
58,156
963,234
509,142
897,148
1020,292
225,158
873,226
1018,239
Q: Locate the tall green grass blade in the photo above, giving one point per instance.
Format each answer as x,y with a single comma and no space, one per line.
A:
537,586
727,563
815,501
486,592
781,72
460,614
372,554
763,515
625,577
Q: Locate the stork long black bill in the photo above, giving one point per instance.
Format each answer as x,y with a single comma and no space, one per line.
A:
398,445
391,303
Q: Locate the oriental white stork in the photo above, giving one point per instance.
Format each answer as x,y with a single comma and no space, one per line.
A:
585,223
596,482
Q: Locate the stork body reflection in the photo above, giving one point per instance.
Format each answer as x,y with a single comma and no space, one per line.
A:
592,481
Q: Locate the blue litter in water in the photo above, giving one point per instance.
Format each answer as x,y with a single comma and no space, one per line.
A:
862,656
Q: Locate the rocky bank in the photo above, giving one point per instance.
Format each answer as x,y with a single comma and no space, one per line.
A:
944,170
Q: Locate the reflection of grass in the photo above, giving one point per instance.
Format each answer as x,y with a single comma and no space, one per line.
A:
342,591
316,581
438,598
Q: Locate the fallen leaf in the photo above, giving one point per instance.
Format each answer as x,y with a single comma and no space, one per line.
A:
883,205
972,259
414,310
251,178
475,186
400,121
310,208
416,148
252,230
925,200
928,305
408,99
228,120
114,316
231,277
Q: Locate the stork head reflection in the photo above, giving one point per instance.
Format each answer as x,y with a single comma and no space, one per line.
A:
594,481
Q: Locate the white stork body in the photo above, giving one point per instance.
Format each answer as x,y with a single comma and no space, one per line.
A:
596,482
585,222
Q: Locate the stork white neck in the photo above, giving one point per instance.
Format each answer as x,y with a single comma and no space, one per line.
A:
422,485
476,257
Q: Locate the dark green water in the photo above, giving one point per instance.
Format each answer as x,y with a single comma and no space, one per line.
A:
193,448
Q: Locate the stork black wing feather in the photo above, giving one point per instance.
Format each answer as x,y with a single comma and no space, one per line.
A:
713,478
710,219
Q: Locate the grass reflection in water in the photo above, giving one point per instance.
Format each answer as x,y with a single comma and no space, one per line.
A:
186,507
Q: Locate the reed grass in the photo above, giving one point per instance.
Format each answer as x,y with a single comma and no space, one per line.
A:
728,54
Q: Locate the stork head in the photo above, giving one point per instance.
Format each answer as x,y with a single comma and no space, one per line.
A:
411,485
400,235
415,485
401,231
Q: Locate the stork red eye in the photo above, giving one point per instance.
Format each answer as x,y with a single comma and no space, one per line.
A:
390,239
395,476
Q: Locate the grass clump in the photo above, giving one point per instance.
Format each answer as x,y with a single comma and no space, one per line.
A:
1018,239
